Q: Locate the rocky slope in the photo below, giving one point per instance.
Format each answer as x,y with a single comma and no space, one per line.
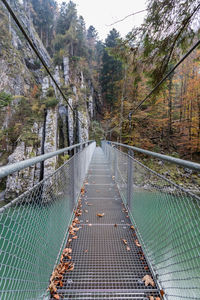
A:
34,119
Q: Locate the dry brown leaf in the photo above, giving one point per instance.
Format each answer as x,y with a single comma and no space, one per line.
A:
71,268
67,251
72,232
125,241
162,293
56,296
74,237
76,229
128,248
61,283
137,243
52,288
78,214
115,225
100,214
76,220
148,280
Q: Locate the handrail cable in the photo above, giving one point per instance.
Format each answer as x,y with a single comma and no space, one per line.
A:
38,55
20,165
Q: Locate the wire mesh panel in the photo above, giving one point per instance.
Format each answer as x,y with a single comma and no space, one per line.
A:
33,228
167,220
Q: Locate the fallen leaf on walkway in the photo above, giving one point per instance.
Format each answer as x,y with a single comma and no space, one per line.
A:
75,237
67,251
125,241
71,232
137,243
132,227
148,280
162,293
52,288
56,296
76,229
76,220
71,268
115,225
100,214
128,248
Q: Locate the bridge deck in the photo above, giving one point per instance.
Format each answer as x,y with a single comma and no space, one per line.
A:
104,269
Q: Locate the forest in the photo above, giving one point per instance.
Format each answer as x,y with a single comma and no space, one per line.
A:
125,70
121,72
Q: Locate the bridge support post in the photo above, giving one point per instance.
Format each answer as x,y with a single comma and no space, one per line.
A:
73,177
130,178
115,164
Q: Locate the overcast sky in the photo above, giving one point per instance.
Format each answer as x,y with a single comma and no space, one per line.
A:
101,13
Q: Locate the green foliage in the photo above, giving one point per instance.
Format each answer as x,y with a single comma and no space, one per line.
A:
64,158
96,132
42,12
50,102
5,99
111,72
50,92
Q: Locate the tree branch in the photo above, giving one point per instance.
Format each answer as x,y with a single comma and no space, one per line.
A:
135,13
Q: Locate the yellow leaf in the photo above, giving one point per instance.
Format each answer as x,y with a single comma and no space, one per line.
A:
100,214
125,242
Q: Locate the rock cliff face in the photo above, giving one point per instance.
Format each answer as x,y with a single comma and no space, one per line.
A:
36,120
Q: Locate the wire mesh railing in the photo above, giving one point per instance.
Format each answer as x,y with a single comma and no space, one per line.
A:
167,222
34,227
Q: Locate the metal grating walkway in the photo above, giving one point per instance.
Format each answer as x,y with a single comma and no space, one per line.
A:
104,269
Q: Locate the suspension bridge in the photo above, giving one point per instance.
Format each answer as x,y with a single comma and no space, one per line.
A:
137,233
102,226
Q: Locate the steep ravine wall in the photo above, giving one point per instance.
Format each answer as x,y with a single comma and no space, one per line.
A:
50,127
